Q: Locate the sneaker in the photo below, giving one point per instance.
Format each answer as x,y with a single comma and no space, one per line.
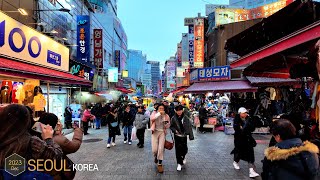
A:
141,146
125,142
113,144
252,173
130,143
184,161
179,167
236,165
108,145
160,168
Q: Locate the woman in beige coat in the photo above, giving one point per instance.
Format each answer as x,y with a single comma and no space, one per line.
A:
160,122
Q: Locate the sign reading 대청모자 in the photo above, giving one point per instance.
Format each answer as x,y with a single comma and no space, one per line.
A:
83,39
98,48
214,73
22,42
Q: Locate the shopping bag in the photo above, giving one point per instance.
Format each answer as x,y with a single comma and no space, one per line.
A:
134,133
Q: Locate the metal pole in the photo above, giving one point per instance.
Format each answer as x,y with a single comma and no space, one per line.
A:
48,94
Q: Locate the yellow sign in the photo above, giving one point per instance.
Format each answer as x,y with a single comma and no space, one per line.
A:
125,73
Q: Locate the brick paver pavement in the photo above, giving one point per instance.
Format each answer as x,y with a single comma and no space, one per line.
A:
208,158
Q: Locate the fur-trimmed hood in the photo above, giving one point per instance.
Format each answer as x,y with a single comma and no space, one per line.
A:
276,153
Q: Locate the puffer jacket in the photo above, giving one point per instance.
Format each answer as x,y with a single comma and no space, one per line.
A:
293,159
141,121
68,146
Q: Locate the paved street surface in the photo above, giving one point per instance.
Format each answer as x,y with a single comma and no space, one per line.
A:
208,158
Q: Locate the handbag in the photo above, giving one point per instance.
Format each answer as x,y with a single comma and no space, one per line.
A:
167,144
114,124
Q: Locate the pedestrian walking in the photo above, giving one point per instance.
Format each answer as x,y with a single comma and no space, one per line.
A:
97,111
243,141
160,122
68,117
202,117
113,126
181,128
127,124
140,123
86,117
290,158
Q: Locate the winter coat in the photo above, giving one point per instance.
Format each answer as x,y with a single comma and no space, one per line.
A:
175,126
97,111
86,116
155,116
141,121
68,146
203,113
113,130
292,159
243,140
68,114
127,118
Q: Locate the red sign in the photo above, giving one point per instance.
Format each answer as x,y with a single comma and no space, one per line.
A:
199,43
98,48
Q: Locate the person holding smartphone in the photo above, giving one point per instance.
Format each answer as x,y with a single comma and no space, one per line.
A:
160,122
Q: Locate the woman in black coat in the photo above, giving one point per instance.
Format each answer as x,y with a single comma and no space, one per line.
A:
68,117
113,126
243,141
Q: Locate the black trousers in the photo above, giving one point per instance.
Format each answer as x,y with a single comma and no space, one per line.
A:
140,135
85,127
181,148
201,124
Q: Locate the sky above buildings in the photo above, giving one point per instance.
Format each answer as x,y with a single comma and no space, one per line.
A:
155,27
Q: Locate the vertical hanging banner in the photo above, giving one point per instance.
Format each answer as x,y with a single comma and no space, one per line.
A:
191,45
179,54
199,43
83,39
98,49
185,51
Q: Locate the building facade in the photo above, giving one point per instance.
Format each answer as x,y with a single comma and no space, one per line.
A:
249,4
136,64
155,76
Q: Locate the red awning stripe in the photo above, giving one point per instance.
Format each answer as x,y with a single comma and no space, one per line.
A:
23,70
179,90
222,86
299,37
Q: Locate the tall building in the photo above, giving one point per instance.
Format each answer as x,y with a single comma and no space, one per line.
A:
136,64
147,79
155,75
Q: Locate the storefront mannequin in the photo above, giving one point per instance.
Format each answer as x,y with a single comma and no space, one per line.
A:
39,101
5,96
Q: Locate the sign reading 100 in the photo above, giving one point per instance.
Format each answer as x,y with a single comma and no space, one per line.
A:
24,40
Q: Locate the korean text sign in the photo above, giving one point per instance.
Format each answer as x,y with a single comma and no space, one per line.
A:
98,48
22,42
199,43
83,39
191,45
214,73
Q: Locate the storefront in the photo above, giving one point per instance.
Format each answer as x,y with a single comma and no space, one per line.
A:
31,66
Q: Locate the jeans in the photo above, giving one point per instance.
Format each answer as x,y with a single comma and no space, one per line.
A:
127,130
113,139
98,122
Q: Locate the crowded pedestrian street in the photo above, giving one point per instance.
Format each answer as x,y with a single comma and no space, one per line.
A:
208,158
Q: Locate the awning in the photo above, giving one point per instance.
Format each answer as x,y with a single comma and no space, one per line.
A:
123,90
263,81
299,37
178,90
221,86
22,70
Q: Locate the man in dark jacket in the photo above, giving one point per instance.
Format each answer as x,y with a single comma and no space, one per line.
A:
68,117
243,141
181,127
127,124
97,111
290,158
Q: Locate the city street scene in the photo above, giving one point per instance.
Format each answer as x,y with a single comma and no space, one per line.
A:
175,89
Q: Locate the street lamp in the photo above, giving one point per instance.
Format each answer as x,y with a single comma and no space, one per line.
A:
21,11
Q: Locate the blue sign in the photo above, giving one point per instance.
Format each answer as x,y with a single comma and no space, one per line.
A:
83,39
214,73
53,58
